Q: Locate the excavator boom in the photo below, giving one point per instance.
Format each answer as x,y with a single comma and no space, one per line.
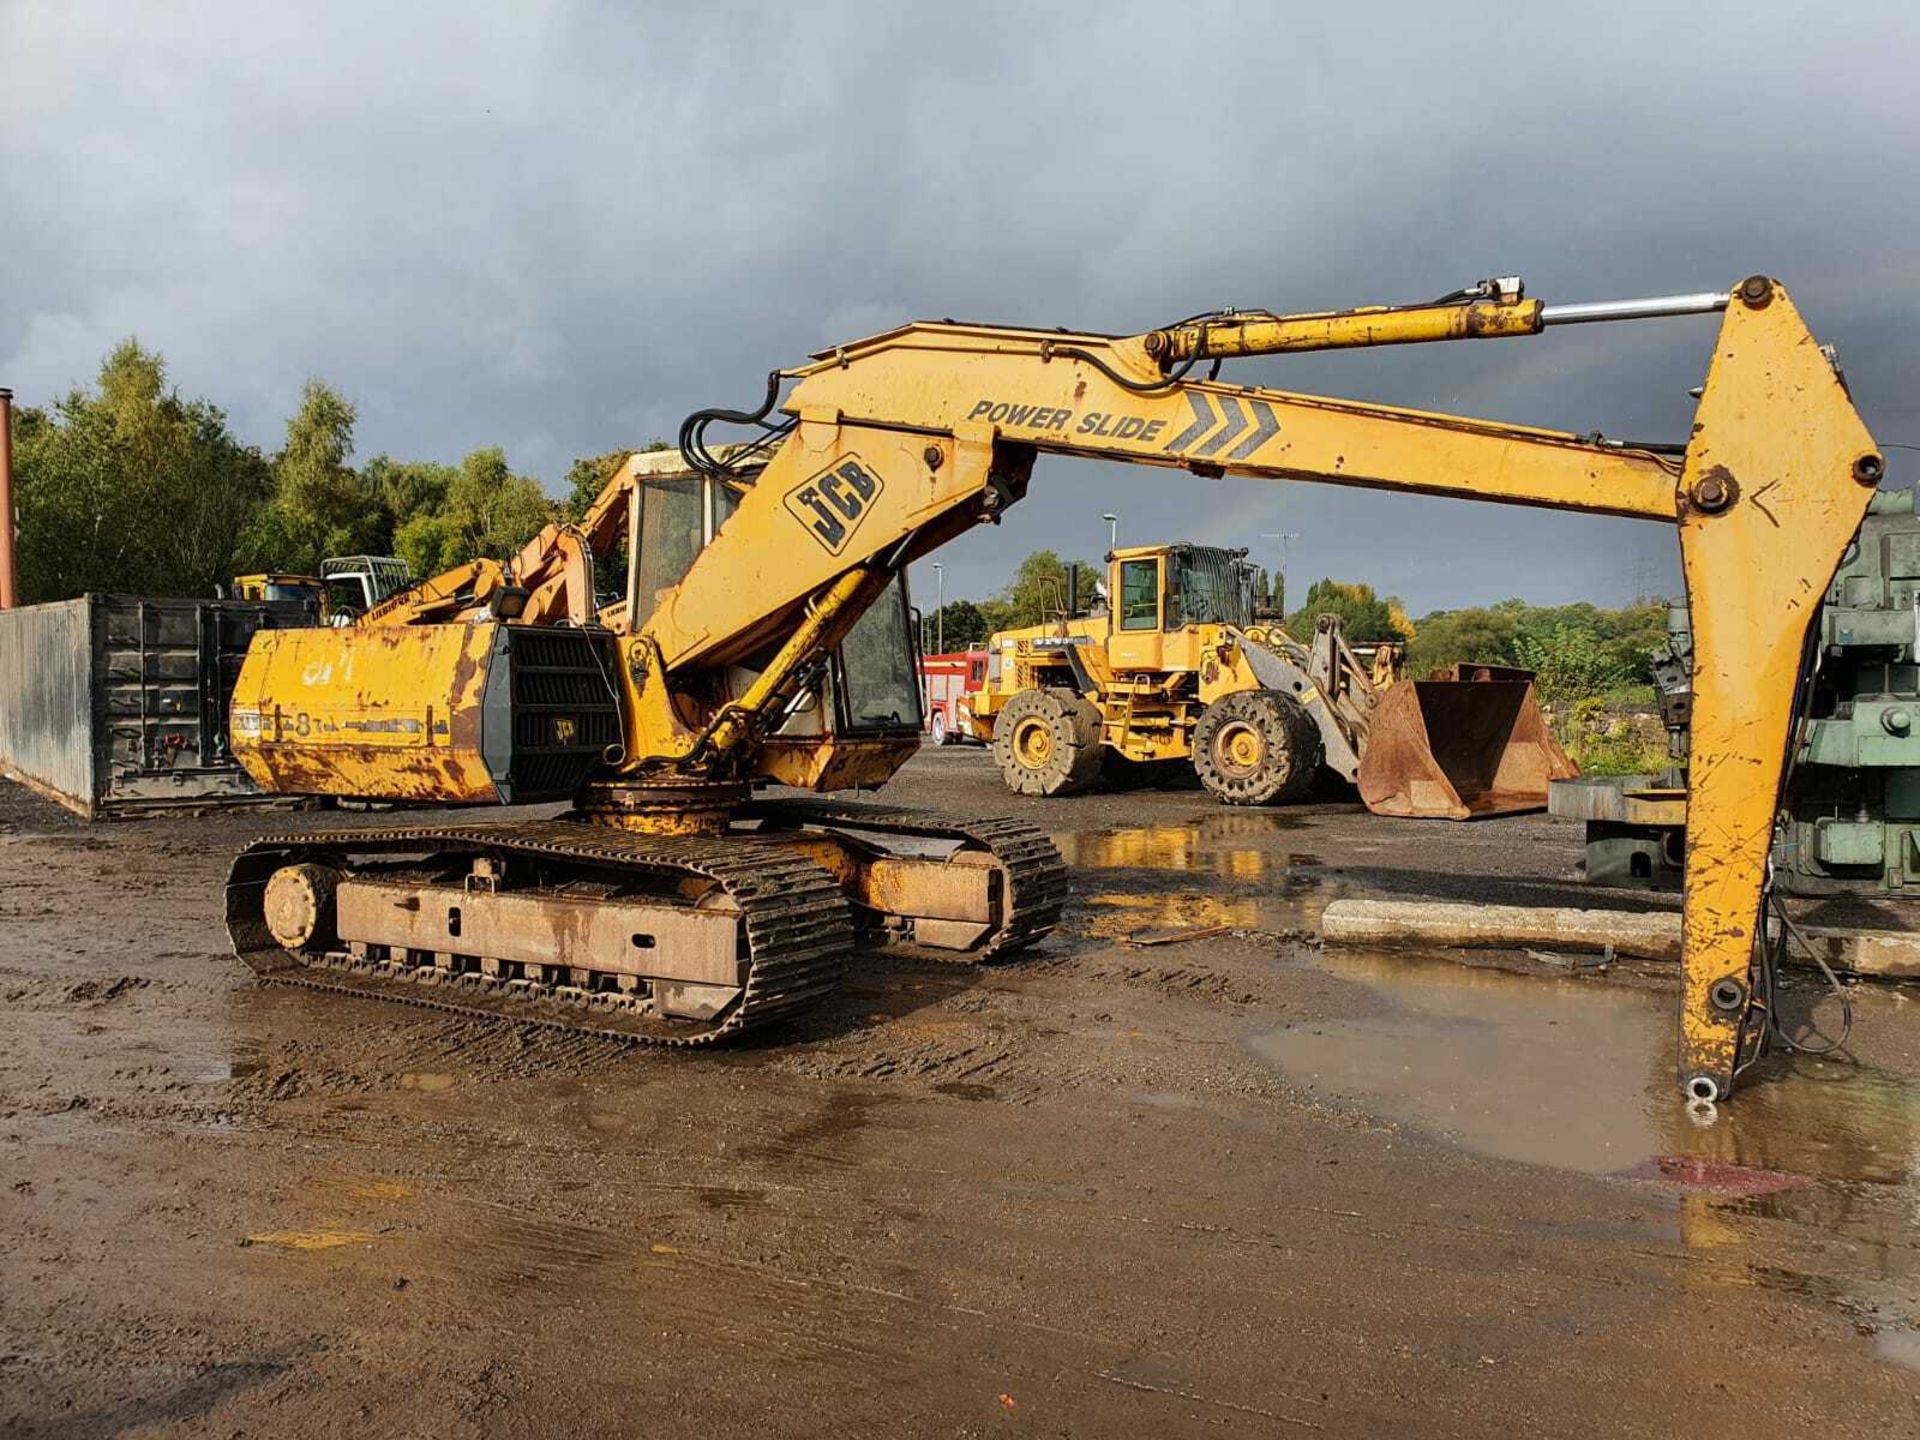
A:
904,439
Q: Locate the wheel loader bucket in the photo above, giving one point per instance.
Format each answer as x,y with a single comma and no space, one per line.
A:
1466,743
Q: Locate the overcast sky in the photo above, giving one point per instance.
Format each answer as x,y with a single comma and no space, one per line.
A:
559,227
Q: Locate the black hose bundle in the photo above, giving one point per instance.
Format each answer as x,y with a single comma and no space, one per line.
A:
693,434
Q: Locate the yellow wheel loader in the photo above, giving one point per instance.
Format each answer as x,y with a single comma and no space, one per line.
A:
765,637
1181,671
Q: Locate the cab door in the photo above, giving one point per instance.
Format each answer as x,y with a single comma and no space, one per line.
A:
1139,613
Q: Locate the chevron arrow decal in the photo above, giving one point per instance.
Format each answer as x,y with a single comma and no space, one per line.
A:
1266,425
1203,421
1233,425
1236,422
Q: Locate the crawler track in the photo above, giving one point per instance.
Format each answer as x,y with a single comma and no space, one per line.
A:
1036,875
798,926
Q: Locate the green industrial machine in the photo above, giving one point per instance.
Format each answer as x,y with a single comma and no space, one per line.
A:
1852,811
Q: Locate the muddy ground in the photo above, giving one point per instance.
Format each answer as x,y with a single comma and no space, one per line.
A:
1237,1186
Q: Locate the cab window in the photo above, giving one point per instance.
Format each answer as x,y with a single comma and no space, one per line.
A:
1139,594
346,594
882,686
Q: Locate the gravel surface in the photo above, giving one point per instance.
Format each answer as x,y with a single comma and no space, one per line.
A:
1234,1186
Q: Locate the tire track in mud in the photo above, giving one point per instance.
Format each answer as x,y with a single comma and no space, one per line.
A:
869,1333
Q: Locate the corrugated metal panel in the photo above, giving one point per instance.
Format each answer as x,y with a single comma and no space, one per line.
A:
115,704
46,700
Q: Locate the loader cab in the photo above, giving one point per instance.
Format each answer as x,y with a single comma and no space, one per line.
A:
1163,594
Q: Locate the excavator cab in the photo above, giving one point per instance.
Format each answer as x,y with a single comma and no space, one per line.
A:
356,583
852,725
307,590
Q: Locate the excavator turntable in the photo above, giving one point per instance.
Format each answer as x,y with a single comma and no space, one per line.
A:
763,638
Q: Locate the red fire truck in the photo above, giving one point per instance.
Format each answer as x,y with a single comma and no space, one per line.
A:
944,681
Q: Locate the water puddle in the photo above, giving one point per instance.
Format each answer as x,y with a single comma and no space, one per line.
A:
1258,887
1578,1076
1118,914
1225,845
1527,1069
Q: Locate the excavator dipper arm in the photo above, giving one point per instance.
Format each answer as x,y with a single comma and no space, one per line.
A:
906,439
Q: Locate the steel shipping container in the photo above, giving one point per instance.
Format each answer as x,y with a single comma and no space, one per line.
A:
115,704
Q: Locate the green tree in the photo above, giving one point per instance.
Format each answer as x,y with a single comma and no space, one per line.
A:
996,614
430,544
321,505
1569,662
1449,637
959,625
129,487
589,475
489,510
1038,587
409,488
1364,616
1577,650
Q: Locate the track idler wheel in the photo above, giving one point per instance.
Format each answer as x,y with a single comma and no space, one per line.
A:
1257,747
299,908
1047,742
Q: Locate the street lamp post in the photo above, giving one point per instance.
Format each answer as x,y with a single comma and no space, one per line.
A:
1113,531
940,609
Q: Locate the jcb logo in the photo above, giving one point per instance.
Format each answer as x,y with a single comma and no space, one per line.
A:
565,731
832,504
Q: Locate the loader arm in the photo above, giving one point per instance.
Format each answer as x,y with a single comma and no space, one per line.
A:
906,439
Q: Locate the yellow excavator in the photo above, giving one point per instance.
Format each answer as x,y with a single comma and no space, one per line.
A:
765,637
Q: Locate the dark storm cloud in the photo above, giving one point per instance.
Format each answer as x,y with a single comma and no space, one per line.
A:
560,227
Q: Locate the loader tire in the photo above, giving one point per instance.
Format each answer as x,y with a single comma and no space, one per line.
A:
1257,747
1047,742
